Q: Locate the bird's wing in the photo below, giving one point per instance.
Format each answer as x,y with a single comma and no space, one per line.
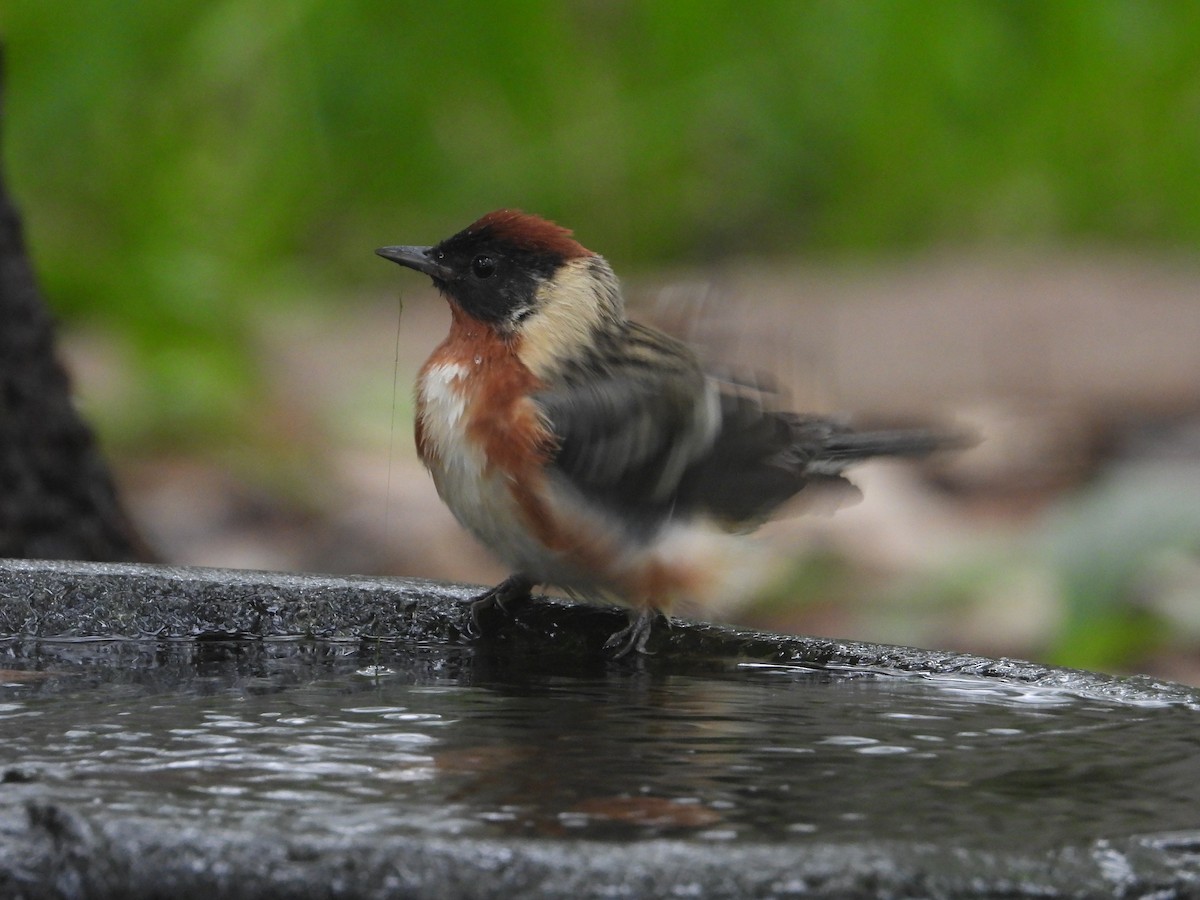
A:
630,421
755,463
642,429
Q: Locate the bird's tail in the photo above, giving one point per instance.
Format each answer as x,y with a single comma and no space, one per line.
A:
835,448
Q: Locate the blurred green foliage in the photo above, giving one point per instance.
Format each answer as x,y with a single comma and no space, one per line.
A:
183,163
188,167
1107,548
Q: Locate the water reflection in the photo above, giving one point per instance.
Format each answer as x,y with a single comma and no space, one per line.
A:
325,738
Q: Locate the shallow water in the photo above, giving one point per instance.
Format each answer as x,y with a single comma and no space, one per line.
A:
325,739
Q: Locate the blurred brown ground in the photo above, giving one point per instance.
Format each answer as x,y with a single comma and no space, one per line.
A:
1066,367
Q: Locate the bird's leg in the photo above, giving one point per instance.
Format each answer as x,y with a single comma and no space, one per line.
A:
513,590
634,636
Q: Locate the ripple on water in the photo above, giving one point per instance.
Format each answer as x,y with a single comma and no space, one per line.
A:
775,753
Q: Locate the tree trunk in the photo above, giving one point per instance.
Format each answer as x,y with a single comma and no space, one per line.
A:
57,499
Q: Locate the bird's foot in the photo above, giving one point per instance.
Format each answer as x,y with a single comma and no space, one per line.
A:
634,636
508,594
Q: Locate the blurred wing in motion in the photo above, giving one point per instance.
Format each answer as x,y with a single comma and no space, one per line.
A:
642,430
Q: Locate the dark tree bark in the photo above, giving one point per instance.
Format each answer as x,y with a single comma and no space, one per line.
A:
57,499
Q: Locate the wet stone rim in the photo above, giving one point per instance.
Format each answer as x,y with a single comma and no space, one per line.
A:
48,849
126,601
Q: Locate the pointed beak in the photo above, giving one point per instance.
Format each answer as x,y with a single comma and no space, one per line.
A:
419,258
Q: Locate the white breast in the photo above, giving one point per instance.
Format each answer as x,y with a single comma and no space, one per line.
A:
480,496
443,403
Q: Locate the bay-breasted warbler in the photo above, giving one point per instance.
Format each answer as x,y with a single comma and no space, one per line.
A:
588,451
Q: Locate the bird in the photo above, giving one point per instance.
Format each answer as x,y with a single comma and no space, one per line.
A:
585,449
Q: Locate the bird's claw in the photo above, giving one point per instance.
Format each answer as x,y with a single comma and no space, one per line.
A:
634,636
512,591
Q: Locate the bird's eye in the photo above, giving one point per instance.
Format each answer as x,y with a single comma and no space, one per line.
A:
483,266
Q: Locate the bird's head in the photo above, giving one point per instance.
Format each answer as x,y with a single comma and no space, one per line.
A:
521,275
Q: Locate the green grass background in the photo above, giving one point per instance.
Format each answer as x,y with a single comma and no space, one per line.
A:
187,165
